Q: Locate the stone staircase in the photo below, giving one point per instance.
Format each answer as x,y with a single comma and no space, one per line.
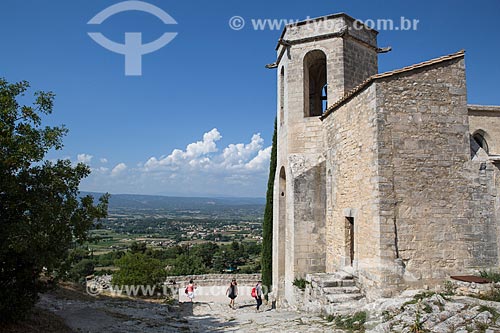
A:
331,293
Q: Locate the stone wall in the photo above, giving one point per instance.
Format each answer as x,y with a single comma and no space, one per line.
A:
360,62
208,280
352,186
309,206
437,207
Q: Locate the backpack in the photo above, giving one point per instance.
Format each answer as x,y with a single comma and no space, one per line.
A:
186,291
254,292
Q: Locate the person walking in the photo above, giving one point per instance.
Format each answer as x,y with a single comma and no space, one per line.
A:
258,294
232,292
190,290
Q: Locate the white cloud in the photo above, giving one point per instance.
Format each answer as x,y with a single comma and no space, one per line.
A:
201,156
261,161
119,168
201,168
238,154
204,147
193,155
104,160
84,158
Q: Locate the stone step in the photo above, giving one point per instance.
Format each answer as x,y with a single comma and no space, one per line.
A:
344,308
317,277
336,283
341,290
341,298
343,276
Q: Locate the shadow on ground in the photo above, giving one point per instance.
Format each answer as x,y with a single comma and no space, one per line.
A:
199,319
81,312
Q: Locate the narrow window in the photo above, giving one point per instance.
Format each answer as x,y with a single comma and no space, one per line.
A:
350,237
282,95
315,84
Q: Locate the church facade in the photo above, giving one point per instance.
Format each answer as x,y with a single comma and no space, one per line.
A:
392,178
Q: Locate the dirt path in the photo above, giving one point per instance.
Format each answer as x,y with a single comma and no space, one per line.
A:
83,313
216,317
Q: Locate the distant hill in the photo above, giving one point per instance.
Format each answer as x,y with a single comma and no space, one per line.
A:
136,201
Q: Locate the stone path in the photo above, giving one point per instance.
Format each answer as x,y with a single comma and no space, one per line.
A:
210,317
84,313
405,313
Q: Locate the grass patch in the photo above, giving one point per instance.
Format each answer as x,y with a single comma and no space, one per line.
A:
417,326
427,308
491,310
481,327
490,275
300,283
449,288
417,298
355,322
493,295
387,316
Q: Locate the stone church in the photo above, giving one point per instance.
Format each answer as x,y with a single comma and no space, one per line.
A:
390,178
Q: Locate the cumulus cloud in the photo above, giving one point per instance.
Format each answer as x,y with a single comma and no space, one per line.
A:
84,158
261,161
104,160
204,156
193,155
119,168
236,155
203,167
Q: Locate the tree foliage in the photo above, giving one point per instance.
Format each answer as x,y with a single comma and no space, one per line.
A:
138,247
136,268
41,214
267,227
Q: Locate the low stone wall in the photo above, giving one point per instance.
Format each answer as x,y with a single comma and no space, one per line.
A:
213,287
209,287
471,288
208,280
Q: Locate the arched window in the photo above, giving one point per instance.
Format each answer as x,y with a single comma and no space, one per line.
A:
478,136
315,83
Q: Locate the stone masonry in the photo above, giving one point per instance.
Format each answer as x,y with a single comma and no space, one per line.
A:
395,181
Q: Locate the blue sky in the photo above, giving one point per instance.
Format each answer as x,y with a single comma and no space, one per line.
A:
199,120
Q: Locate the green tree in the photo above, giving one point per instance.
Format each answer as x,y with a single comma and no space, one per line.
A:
41,214
187,264
81,269
205,251
77,265
267,226
137,269
138,247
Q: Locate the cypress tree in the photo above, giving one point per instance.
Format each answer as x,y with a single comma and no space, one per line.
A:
267,227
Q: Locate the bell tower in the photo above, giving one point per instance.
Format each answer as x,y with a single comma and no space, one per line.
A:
318,61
